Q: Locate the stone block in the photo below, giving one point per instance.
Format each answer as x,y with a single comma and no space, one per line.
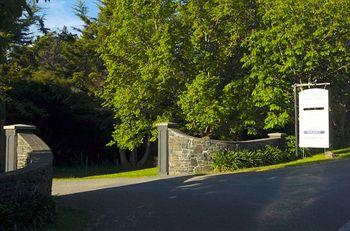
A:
330,154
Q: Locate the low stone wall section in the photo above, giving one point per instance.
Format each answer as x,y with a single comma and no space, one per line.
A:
188,154
34,174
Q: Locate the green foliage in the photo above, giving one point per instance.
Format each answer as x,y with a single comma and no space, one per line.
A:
67,120
16,18
170,60
230,160
214,32
139,51
27,213
10,12
299,41
50,86
290,147
200,104
220,68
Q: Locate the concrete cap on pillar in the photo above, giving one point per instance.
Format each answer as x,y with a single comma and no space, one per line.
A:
167,124
277,135
19,127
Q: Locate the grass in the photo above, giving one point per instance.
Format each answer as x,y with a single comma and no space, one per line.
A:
340,154
68,219
100,172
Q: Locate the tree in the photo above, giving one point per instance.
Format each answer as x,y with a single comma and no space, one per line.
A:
44,91
214,33
299,41
92,70
16,17
138,46
174,60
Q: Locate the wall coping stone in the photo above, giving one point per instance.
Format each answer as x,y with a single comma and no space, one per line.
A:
34,142
277,135
178,132
19,127
167,124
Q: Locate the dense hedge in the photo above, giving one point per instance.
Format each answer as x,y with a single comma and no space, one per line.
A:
229,160
26,214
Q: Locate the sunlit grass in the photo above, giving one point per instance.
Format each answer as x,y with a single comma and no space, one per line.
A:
75,174
133,174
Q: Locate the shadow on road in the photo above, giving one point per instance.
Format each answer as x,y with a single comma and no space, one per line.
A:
313,197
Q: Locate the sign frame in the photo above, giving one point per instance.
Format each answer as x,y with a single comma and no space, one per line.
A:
297,87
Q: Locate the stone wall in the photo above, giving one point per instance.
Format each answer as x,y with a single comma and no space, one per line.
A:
187,154
34,174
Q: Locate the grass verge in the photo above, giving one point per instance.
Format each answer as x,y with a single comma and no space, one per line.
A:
78,173
340,154
68,219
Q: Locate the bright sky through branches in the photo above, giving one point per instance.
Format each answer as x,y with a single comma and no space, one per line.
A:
60,13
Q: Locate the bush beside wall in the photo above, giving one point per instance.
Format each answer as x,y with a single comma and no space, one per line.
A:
230,160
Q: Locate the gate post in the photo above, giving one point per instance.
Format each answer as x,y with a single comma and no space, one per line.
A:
163,147
11,132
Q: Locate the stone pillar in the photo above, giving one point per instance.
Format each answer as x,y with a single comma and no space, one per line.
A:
163,147
11,132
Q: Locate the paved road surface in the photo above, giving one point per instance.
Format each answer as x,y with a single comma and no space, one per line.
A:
312,197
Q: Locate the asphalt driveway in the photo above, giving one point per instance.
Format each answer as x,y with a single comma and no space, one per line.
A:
310,197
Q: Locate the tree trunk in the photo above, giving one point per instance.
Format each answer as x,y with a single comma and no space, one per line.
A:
342,129
123,160
133,157
146,154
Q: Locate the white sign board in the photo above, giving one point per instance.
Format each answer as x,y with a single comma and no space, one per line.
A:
314,118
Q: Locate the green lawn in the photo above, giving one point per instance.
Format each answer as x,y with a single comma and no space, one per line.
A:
100,172
341,153
67,219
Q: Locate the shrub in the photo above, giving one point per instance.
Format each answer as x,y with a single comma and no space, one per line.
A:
230,160
290,148
27,213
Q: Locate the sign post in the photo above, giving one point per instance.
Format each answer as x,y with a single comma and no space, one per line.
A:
313,116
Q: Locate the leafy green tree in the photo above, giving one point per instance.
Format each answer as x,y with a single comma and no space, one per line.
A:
299,41
214,33
138,46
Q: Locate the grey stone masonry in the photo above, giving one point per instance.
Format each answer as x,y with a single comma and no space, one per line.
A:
34,167
11,156
187,154
26,145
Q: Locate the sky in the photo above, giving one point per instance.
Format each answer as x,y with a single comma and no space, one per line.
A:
59,13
